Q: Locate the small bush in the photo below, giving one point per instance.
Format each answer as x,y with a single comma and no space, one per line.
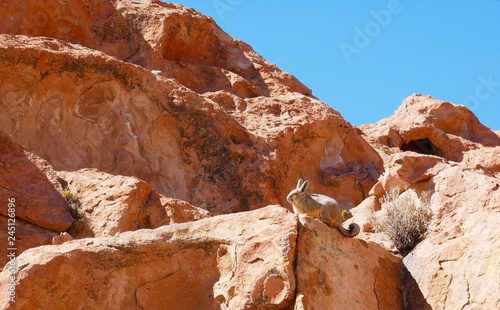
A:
74,210
76,227
405,218
67,193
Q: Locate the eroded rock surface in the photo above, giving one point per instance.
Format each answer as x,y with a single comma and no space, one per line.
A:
40,212
335,272
236,261
23,178
429,126
262,259
160,92
442,150
456,265
110,204
152,115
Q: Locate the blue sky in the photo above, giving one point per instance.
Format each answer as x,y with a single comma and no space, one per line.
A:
363,57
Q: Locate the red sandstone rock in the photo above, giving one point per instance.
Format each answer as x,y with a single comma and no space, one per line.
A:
223,147
22,178
406,169
456,265
61,238
114,204
236,261
239,261
429,126
332,271
167,37
484,160
108,204
97,24
40,210
158,92
179,211
27,236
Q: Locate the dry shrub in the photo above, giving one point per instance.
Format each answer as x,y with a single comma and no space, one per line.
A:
75,211
405,218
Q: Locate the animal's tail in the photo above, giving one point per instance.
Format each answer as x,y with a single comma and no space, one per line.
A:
352,231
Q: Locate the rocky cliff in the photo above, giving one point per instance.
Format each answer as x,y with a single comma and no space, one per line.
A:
148,134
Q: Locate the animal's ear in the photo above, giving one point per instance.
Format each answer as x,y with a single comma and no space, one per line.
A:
304,186
299,183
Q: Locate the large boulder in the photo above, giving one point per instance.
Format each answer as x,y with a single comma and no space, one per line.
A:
263,259
335,272
236,261
407,169
32,208
456,265
109,204
429,126
24,179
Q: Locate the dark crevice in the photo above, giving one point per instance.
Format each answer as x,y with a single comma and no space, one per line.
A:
413,298
422,146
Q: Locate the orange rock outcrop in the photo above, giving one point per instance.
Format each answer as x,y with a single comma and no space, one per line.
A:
130,131
160,92
442,149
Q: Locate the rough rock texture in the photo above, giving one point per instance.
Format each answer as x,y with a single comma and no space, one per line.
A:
429,126
61,238
160,92
237,261
248,260
334,272
114,204
27,235
149,111
179,211
41,212
483,160
406,169
457,265
107,204
37,199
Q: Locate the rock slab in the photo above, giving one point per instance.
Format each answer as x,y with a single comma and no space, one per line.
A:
335,272
237,261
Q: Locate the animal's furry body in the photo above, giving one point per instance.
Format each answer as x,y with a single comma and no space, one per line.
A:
322,207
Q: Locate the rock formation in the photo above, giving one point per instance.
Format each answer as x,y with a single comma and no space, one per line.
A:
114,204
227,262
238,261
336,272
425,125
457,265
25,178
41,212
131,131
160,92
